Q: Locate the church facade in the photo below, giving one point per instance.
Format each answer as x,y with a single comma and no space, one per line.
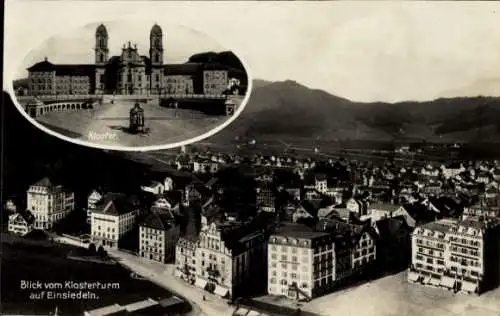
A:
130,73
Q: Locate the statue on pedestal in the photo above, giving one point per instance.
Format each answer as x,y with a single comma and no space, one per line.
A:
136,119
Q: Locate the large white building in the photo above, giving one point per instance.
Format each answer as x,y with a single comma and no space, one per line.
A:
158,236
304,263
299,263
114,215
49,203
459,255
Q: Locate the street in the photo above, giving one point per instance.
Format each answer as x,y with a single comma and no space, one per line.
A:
163,275
108,124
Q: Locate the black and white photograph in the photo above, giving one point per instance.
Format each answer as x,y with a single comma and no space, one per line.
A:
361,178
131,84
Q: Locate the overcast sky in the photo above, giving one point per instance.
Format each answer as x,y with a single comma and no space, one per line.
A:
363,51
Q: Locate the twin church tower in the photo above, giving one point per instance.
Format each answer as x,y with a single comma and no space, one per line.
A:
129,73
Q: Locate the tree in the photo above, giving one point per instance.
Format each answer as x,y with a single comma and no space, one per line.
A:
92,249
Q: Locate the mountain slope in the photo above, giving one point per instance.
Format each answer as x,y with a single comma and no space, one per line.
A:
288,110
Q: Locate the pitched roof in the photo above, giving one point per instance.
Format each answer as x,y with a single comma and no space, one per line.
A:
45,182
158,221
309,207
61,70
298,231
391,228
188,241
42,66
420,212
116,204
28,217
443,226
183,69
49,183
75,70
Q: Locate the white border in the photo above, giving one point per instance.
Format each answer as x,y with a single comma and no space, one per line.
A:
201,137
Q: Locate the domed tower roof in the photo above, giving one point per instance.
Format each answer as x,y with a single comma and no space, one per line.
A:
156,30
101,30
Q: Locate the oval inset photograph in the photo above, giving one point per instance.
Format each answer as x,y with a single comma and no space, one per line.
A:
132,86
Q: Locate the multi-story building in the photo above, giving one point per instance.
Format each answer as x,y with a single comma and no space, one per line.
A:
459,255
300,263
49,203
363,250
185,258
113,217
265,193
158,236
355,247
321,183
130,73
305,263
229,258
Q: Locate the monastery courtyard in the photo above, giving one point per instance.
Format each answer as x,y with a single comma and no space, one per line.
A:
393,296
108,124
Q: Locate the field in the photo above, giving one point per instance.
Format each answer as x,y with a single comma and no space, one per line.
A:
48,264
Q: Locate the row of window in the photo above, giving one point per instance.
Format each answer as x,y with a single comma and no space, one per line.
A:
464,271
70,80
105,235
363,252
465,250
431,252
363,261
42,88
465,241
42,74
465,262
287,249
305,259
429,243
41,81
430,260
152,249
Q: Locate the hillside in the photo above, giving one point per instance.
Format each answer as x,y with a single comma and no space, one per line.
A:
289,110
308,114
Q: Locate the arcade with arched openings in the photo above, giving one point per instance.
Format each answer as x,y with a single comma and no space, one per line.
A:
37,108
